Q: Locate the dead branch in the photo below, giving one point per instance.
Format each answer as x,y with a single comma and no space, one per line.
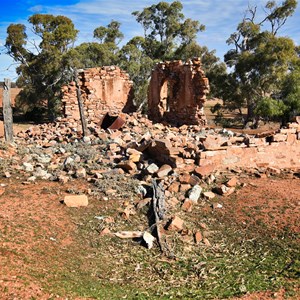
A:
158,204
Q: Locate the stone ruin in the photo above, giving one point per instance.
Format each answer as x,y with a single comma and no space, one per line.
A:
103,90
177,93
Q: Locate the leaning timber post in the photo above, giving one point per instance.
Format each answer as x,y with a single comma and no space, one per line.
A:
7,112
80,105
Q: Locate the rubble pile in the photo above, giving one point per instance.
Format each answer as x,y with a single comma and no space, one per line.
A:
191,165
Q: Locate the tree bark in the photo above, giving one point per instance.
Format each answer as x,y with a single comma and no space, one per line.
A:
7,112
80,105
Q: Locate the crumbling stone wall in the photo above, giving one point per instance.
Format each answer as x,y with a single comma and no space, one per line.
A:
103,90
177,93
280,149
202,152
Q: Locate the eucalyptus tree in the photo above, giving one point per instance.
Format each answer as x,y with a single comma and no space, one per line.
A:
260,61
167,35
166,29
42,65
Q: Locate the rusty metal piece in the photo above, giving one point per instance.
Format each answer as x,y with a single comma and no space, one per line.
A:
111,122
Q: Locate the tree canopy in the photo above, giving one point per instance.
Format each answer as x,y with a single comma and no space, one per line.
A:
263,66
42,69
260,60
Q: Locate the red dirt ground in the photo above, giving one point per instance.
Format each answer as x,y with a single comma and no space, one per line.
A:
35,226
33,223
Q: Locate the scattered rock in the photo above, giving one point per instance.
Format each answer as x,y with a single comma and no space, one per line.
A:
224,190
153,168
194,193
198,237
232,182
76,200
206,242
163,171
187,205
209,195
129,234
2,191
176,224
149,239
105,231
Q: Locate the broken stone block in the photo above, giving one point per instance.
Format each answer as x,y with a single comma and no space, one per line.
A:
153,168
204,171
185,178
187,205
76,200
2,191
273,171
232,182
149,239
209,195
213,142
128,166
279,137
176,224
174,187
134,155
63,178
28,167
80,173
216,205
105,231
194,180
224,190
198,237
184,187
194,193
163,171
206,242
173,201
129,234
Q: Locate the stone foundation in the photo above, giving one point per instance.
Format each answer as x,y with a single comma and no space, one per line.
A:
276,150
177,93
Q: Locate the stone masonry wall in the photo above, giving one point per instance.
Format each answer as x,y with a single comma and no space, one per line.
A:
202,152
279,149
103,90
177,93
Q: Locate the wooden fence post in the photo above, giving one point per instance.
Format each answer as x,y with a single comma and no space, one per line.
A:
80,105
7,112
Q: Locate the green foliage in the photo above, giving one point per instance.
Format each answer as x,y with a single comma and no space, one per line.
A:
291,94
163,25
110,34
260,61
43,70
133,59
167,36
89,55
269,108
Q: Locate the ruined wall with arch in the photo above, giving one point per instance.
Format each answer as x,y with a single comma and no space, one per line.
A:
177,92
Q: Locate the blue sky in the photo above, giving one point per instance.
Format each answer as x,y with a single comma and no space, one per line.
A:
219,16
